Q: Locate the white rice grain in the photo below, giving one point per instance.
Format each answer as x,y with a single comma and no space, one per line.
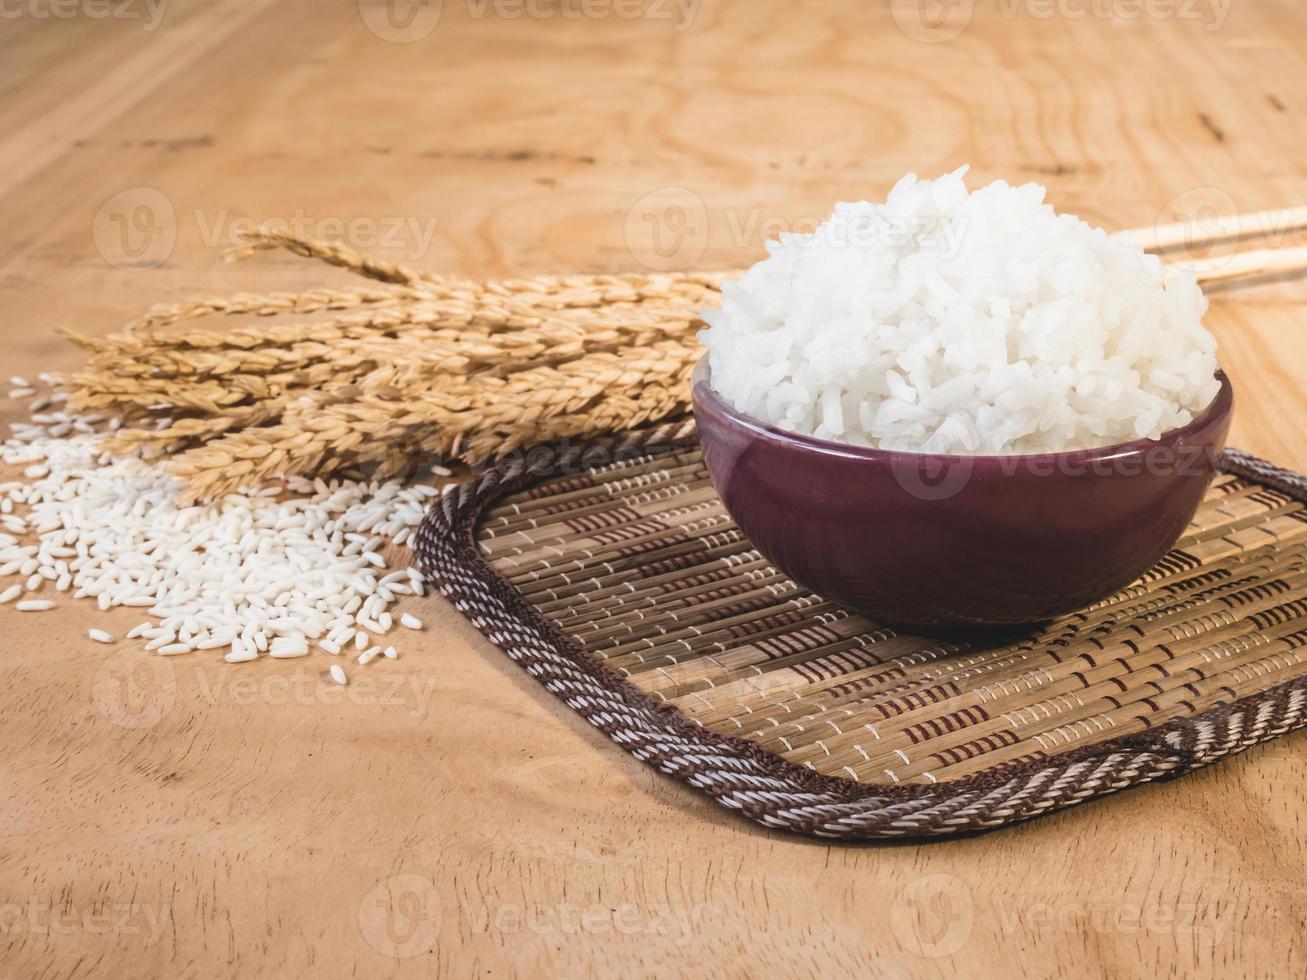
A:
950,321
246,572
369,655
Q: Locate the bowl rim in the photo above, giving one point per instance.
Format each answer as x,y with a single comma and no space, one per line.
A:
1216,412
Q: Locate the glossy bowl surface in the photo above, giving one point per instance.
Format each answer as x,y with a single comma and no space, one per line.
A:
946,542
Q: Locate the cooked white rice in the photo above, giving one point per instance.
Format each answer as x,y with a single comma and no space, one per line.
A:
956,322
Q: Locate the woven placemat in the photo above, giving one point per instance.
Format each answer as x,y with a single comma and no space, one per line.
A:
613,575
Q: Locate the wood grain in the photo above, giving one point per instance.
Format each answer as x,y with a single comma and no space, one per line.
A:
452,818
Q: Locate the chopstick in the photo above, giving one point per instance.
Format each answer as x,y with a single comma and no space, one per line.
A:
1268,222
1246,265
1240,265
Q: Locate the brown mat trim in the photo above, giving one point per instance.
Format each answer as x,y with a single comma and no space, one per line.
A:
770,790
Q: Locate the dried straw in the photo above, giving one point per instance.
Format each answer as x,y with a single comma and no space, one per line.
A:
384,375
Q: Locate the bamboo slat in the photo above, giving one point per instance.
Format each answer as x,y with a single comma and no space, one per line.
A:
639,563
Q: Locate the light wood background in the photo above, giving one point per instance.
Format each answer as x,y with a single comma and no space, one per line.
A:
452,819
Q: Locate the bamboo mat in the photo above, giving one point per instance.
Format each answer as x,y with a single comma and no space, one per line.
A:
628,588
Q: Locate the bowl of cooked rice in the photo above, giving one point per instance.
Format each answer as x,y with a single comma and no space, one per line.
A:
957,409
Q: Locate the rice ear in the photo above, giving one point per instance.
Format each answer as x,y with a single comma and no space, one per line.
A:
326,381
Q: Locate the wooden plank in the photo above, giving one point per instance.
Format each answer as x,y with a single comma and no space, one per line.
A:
238,822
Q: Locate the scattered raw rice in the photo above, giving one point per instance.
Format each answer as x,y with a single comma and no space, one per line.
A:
288,647
409,621
251,572
338,675
100,636
369,655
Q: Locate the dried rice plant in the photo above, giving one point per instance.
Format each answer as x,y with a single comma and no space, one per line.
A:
421,366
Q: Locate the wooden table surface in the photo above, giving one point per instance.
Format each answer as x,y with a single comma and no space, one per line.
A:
451,818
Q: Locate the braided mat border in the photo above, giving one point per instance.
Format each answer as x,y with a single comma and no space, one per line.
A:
766,788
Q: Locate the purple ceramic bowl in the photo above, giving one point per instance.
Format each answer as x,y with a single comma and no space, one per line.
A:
943,542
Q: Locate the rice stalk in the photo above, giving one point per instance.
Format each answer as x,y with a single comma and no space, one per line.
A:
272,304
597,393
370,377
